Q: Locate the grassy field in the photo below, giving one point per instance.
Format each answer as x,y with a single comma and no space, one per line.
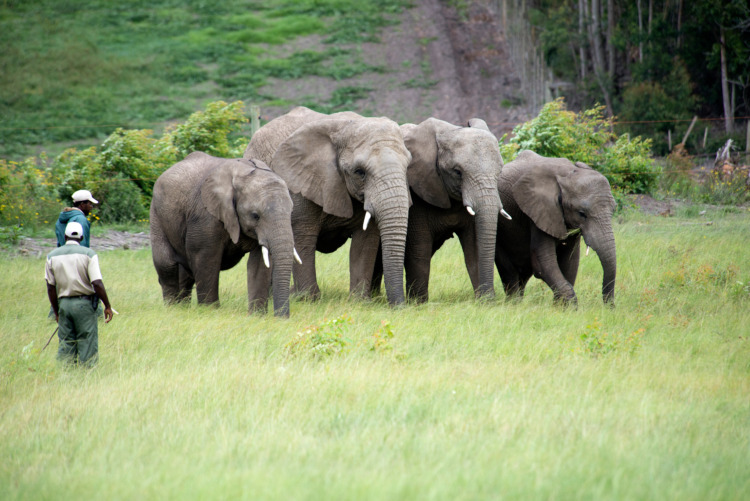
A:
519,400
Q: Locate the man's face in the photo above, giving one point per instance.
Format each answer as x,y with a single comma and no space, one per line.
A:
86,207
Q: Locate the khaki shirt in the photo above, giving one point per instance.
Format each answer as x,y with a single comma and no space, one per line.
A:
71,269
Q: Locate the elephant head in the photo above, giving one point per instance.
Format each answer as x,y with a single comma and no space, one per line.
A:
560,196
333,160
253,202
459,163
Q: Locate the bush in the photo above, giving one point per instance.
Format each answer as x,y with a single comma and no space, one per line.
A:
121,174
209,131
587,137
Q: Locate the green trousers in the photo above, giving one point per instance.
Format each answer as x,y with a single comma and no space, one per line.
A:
78,331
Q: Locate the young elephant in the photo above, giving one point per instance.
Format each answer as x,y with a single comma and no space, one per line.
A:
553,202
206,214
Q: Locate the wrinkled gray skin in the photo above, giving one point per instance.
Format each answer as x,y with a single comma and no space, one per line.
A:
547,198
337,168
453,170
206,214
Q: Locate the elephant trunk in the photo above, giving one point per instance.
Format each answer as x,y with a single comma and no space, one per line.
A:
390,208
281,245
602,240
486,208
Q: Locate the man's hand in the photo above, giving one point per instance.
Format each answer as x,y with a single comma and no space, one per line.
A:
108,314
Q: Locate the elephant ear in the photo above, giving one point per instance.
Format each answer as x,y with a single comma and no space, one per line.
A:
538,195
217,194
478,123
422,173
308,162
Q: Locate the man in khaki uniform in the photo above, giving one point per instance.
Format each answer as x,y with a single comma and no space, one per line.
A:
74,287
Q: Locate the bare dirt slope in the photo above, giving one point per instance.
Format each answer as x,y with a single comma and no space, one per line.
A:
440,63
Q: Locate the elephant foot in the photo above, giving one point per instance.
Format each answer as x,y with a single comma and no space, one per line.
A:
566,302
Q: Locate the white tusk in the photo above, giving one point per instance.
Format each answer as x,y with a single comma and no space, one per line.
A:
367,220
587,250
505,215
264,249
470,210
296,256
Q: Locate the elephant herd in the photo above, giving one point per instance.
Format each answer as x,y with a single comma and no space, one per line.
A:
308,182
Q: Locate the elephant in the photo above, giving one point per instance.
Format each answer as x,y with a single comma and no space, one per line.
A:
553,202
206,214
453,180
342,169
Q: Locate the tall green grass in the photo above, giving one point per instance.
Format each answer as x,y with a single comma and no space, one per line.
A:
467,400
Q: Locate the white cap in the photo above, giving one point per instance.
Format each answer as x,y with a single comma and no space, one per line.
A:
83,195
74,230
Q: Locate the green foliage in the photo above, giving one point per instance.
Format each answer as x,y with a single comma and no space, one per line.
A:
322,341
652,108
121,173
597,342
586,137
27,198
209,131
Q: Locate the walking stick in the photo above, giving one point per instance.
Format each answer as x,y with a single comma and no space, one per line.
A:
50,338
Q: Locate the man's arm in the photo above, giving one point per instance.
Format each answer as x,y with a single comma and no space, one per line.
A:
102,293
52,295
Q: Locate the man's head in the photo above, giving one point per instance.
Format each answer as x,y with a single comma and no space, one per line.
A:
82,199
74,231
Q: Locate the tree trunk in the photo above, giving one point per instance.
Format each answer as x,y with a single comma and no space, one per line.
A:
582,34
610,38
595,40
728,111
640,32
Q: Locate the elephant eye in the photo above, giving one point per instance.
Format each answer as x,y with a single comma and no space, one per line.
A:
582,214
256,216
359,172
457,172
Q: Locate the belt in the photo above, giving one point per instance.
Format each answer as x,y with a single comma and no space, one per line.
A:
77,297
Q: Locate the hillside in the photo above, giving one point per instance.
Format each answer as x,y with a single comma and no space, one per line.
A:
73,73
440,62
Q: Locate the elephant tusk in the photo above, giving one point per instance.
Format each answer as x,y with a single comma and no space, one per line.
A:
367,220
587,250
296,257
505,215
264,249
470,210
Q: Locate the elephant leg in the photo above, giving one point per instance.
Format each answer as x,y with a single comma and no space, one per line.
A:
305,277
165,262
467,237
258,282
187,281
363,254
513,283
545,266
377,274
568,258
206,265
417,265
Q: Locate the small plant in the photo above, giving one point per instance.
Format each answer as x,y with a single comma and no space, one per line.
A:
381,339
596,342
321,341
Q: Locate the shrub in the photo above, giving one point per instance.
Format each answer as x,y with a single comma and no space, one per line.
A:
121,174
587,137
209,131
